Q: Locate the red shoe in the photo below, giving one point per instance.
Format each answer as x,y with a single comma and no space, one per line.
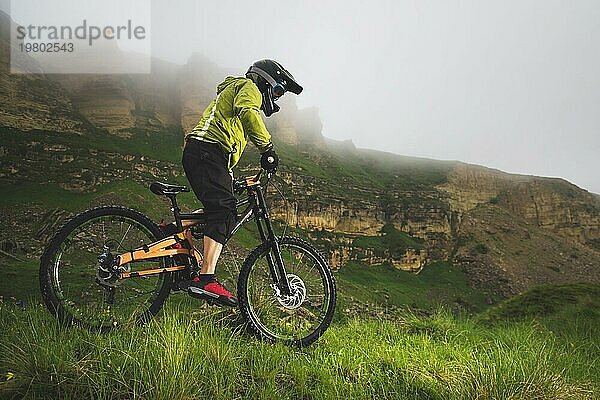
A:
213,292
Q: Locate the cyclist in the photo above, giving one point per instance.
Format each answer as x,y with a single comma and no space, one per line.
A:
214,147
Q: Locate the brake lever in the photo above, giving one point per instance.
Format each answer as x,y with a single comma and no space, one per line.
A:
241,184
270,175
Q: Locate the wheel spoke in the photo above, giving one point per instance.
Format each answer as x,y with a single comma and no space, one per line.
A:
123,238
76,265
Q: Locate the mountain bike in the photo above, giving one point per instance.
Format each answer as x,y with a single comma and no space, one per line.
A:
112,266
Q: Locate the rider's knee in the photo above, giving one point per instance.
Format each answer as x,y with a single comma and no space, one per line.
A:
221,225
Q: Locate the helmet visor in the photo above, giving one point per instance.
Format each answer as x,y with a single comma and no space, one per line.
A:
277,91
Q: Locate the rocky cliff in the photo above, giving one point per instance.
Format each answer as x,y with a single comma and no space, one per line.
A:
553,204
31,101
126,104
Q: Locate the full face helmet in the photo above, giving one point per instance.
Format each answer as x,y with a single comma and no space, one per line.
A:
273,81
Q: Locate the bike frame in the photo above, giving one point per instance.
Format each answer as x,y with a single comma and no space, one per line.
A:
256,206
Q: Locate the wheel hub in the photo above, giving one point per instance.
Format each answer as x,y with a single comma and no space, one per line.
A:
108,271
297,296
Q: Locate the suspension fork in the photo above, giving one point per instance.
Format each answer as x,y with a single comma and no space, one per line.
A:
274,258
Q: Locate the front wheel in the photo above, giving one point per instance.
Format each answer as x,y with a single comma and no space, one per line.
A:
300,318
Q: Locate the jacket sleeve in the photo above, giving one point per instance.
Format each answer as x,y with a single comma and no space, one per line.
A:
246,105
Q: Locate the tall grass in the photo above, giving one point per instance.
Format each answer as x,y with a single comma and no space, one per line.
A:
187,354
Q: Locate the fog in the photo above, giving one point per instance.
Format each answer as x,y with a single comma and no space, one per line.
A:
512,85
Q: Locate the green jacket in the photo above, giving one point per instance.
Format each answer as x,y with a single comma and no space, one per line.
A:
232,118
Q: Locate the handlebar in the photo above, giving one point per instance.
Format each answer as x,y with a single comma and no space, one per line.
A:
242,184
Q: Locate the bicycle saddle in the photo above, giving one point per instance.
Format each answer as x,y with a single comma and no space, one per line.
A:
161,188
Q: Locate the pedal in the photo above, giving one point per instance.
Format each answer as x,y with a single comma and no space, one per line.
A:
181,285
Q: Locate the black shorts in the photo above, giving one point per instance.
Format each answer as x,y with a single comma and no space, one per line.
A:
205,166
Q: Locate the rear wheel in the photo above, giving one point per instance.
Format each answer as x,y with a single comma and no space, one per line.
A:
300,318
77,289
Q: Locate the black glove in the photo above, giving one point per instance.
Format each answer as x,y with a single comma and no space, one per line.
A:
269,160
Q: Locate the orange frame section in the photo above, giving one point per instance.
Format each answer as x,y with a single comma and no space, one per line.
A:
159,249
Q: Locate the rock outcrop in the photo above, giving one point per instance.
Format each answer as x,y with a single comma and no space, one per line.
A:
550,203
31,102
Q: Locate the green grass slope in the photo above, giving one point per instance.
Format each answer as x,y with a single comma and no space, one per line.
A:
550,301
382,289
188,354
575,305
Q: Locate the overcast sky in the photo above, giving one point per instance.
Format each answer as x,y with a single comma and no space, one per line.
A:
513,85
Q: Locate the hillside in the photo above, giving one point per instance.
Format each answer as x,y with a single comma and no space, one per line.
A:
70,141
358,211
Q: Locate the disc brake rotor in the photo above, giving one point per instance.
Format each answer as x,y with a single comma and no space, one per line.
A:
297,296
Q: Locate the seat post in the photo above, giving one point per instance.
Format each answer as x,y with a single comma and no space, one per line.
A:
176,210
